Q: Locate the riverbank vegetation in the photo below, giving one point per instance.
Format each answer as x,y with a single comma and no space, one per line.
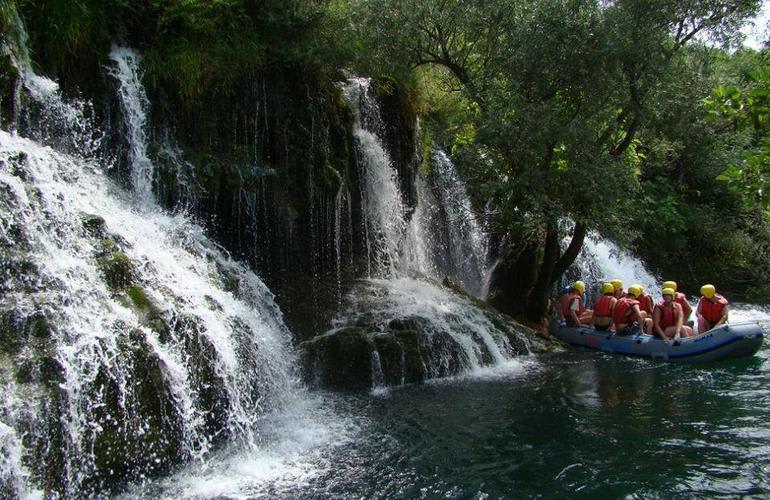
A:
638,120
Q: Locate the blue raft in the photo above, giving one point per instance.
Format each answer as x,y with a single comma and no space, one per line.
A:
728,341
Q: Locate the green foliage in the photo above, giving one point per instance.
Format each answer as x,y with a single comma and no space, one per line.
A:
748,107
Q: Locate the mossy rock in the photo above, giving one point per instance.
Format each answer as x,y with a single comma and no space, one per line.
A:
212,303
93,224
118,270
400,357
345,359
143,439
414,368
212,394
441,355
16,329
8,77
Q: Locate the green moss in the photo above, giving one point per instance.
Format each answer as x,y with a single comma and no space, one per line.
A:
118,270
212,303
41,328
93,224
332,177
138,296
426,148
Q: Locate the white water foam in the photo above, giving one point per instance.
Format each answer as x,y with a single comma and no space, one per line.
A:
297,446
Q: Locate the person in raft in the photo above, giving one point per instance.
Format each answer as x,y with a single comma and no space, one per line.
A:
604,307
668,318
646,304
618,286
573,310
680,299
712,309
627,316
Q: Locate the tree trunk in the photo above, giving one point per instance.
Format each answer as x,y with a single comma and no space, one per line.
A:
521,284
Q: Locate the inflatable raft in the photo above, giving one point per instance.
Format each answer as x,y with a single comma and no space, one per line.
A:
728,341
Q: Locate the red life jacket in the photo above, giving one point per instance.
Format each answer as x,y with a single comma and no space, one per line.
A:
565,304
603,306
668,315
712,311
645,302
621,308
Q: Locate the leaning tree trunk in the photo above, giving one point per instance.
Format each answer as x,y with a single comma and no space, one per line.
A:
521,284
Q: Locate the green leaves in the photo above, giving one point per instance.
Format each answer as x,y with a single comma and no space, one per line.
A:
747,108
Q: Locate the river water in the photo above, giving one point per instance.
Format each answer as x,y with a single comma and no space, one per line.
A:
577,423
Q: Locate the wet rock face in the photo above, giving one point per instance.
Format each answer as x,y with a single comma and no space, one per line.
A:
8,77
349,351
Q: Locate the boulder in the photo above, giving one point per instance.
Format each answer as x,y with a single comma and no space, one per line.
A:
344,359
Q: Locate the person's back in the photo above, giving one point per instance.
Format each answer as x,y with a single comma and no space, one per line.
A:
564,300
604,307
626,316
646,303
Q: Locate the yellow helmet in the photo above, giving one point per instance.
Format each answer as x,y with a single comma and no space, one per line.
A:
635,290
617,284
669,291
708,291
671,285
579,286
608,288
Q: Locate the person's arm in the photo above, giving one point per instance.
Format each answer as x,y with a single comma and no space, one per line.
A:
573,311
723,319
686,310
656,322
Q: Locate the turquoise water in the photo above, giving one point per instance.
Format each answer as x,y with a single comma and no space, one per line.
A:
578,423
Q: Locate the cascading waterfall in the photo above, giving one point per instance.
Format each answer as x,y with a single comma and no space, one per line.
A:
135,105
408,257
444,236
131,341
381,200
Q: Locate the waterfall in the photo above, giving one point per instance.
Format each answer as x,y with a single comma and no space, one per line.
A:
443,236
413,327
130,340
135,109
381,201
602,260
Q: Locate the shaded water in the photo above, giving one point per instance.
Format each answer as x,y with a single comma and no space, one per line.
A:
573,424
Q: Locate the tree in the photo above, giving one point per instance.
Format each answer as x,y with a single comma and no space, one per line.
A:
562,88
748,108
